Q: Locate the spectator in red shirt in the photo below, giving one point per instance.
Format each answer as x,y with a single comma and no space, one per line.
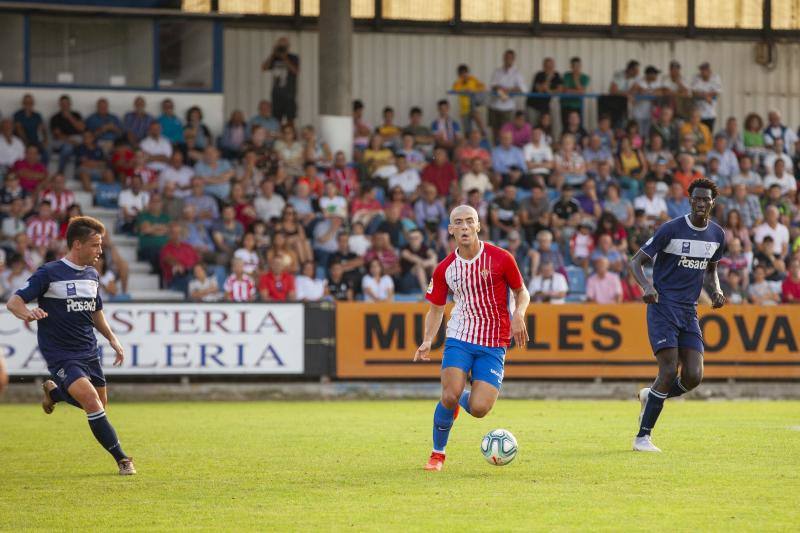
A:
345,177
383,251
686,174
441,173
245,212
31,171
177,259
42,230
790,288
277,285
122,159
59,197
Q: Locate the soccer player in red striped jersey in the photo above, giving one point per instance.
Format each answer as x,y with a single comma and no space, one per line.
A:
482,277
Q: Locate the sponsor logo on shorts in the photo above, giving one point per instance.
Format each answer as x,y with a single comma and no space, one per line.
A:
661,341
498,374
81,305
61,373
696,264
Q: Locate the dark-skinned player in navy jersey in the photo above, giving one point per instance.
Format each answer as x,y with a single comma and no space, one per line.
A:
490,302
686,251
69,310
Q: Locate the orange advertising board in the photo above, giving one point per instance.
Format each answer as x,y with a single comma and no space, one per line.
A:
573,341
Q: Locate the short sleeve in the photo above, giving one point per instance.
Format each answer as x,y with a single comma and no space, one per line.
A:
511,272
657,242
720,249
36,286
437,288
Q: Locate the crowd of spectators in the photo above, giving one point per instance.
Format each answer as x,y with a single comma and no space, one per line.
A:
264,211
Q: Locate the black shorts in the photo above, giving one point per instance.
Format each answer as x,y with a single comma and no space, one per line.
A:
65,373
283,106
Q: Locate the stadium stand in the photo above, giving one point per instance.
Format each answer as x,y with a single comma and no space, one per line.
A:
274,201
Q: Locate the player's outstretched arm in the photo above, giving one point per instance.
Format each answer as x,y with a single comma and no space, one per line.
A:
433,320
519,328
101,324
713,287
650,293
16,305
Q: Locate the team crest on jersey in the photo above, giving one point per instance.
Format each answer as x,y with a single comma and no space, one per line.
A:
485,273
71,290
686,248
708,247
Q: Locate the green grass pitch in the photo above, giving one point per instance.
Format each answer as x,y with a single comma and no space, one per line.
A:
727,466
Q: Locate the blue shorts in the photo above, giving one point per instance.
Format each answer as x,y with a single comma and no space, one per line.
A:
485,363
65,373
672,326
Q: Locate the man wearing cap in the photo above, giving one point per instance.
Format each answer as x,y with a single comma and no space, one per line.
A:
706,87
648,86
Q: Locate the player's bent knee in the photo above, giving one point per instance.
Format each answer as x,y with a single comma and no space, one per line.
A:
691,378
450,398
479,411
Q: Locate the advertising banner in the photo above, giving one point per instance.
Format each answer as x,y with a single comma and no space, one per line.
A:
180,338
574,341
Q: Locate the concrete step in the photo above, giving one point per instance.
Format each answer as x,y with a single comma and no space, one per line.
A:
172,296
128,253
140,282
138,267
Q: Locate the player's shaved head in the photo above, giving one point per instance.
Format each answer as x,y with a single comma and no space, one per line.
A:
463,211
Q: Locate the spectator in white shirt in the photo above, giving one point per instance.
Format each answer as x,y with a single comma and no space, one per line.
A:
179,174
269,206
653,205
406,177
505,79
332,204
777,130
538,154
377,286
706,87
624,80
156,147
773,228
307,287
780,177
476,178
778,152
549,286
131,202
728,163
12,148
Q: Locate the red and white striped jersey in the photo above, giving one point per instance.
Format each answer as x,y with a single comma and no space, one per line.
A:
42,232
59,201
241,290
480,287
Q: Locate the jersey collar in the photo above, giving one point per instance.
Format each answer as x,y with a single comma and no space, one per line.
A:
470,261
72,265
689,221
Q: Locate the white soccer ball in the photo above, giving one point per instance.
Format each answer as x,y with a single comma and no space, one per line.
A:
499,447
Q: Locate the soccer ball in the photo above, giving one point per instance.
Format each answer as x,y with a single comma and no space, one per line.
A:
499,447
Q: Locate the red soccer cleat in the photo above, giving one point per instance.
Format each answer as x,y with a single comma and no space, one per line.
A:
436,462
455,413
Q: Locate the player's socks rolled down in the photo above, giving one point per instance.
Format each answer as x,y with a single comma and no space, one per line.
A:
104,433
464,401
442,422
655,402
58,395
677,389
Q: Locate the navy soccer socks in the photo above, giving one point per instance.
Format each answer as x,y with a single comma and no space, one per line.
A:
104,433
652,408
442,423
677,389
58,395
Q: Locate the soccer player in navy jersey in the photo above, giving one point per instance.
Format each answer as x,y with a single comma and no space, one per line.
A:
686,251
490,303
69,310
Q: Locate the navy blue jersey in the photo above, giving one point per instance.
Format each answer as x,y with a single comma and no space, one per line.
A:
68,293
682,252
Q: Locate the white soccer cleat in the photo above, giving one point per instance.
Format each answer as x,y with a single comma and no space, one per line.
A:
644,444
643,395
